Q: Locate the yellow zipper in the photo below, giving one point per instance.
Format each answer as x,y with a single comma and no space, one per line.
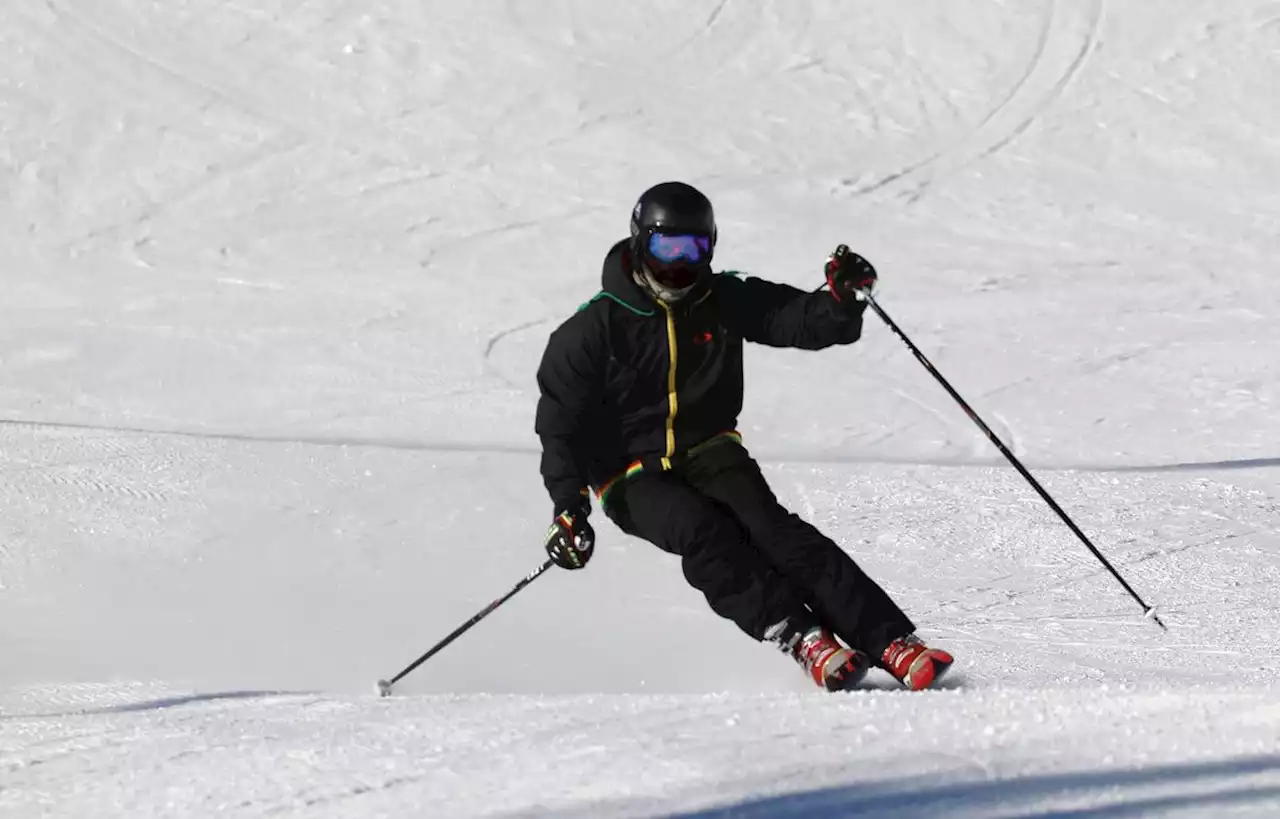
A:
672,401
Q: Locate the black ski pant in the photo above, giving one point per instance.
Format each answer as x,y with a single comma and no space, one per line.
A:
756,562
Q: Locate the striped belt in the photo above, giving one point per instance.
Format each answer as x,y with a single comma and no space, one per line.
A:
659,463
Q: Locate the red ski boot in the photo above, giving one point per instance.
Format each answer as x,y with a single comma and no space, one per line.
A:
824,659
831,665
915,664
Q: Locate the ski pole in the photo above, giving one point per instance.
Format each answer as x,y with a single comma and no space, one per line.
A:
384,686
1149,611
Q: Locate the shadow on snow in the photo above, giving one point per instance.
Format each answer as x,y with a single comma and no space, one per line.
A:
158,704
1203,788
765,456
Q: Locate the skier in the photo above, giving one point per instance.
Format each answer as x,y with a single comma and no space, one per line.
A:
640,393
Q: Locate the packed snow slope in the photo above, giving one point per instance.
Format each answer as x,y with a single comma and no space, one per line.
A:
275,277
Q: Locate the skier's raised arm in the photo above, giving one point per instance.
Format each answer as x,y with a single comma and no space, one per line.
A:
780,315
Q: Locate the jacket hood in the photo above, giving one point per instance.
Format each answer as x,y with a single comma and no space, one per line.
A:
615,277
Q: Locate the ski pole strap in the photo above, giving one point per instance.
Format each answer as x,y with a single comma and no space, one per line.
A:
659,463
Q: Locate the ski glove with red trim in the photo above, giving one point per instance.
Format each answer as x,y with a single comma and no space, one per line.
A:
571,540
847,275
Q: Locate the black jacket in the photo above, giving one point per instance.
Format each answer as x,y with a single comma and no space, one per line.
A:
628,379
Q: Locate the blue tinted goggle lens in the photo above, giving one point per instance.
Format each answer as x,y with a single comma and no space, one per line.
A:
671,248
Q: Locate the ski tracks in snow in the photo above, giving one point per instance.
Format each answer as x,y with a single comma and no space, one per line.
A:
1070,34
109,466
106,55
490,365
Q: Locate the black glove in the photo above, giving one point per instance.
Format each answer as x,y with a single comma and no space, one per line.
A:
571,540
847,274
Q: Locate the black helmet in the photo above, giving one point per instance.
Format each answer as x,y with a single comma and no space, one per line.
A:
673,209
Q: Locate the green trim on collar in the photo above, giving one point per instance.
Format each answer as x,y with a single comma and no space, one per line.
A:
603,294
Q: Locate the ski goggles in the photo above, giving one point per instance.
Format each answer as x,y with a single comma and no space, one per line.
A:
670,249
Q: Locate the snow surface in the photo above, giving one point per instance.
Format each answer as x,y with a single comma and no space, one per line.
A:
276,276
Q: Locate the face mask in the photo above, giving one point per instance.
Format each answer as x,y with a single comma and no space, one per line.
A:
662,292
